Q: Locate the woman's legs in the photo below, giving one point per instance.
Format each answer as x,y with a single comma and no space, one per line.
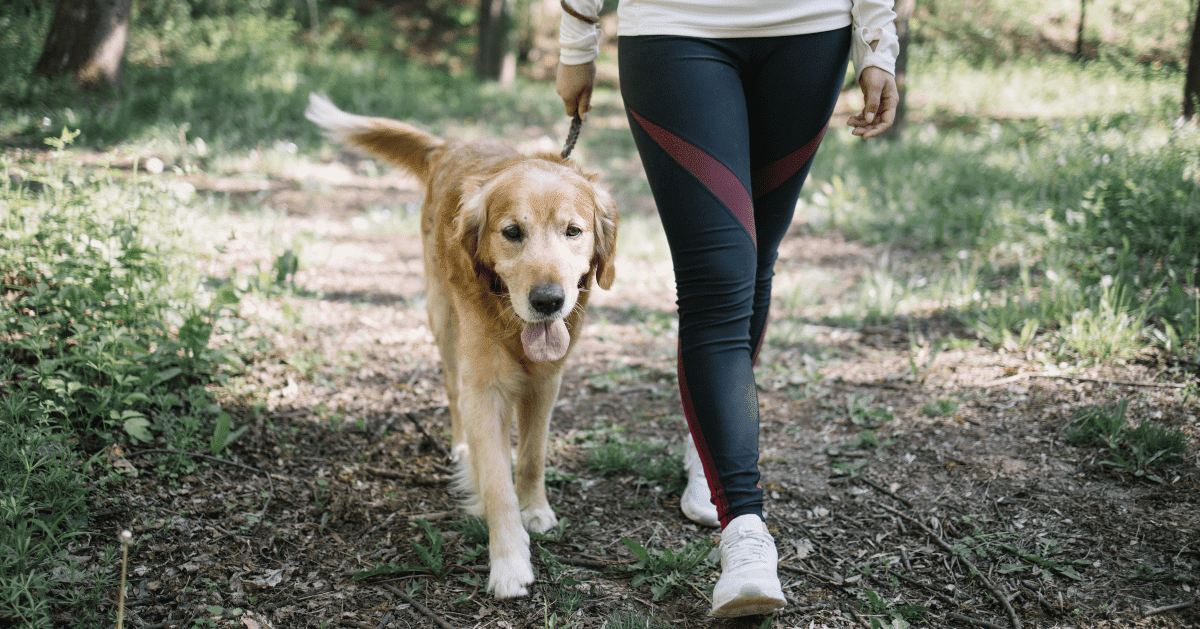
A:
726,130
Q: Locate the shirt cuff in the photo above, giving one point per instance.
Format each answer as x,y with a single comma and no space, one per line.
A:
874,23
579,42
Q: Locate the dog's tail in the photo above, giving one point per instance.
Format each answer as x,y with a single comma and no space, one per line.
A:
400,143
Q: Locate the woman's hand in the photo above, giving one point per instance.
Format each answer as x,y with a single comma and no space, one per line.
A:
575,85
881,97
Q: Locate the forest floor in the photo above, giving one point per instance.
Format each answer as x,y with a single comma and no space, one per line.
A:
876,449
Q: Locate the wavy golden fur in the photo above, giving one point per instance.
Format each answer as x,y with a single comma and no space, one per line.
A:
512,245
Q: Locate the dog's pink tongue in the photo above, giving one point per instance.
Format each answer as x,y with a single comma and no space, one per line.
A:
545,341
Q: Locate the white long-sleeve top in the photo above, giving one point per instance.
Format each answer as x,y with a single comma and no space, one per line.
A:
873,21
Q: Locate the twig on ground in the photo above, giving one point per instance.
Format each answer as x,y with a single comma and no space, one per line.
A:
1051,376
586,563
355,623
419,607
415,375
928,588
1169,608
804,609
861,621
973,621
386,473
296,599
266,503
816,575
1000,598
437,443
883,490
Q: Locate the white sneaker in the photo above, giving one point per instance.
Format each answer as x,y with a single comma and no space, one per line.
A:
696,501
749,583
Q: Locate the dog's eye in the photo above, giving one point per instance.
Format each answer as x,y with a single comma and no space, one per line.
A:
573,231
512,232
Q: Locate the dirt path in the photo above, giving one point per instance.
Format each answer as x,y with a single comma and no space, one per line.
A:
864,443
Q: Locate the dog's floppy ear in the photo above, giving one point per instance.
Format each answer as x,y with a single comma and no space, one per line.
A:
606,220
472,215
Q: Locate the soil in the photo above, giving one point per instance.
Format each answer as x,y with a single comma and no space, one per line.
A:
345,453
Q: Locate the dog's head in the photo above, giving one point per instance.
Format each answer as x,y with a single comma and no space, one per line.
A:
539,231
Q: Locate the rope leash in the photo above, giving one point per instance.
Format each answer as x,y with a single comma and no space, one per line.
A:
572,136
577,122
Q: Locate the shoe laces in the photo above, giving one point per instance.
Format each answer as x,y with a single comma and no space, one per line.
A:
747,547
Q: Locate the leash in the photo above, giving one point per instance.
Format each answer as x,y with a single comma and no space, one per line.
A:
572,136
577,122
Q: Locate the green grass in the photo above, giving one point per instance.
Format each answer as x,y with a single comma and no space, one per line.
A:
1084,221
666,570
1052,206
106,329
651,461
1138,449
42,506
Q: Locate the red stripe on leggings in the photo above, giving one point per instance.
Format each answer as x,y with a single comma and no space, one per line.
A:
757,348
710,470
774,174
713,174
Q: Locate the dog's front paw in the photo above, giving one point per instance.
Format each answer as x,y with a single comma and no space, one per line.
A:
539,520
509,576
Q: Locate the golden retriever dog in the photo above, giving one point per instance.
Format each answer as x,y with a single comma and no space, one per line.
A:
512,244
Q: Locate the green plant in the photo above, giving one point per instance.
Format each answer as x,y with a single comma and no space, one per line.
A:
1136,450
860,411
42,499
651,461
474,529
665,570
1041,563
894,616
630,620
940,407
429,555
1142,572
222,437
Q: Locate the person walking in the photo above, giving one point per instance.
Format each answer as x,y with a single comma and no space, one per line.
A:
728,101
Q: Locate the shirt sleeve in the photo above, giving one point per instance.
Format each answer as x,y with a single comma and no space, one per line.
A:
579,42
874,22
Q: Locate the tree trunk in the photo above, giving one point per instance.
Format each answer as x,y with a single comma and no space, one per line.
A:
904,11
1079,33
494,46
87,39
1191,85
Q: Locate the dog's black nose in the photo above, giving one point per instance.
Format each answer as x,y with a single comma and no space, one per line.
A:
547,298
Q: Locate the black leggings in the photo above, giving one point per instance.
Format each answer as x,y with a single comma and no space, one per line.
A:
726,129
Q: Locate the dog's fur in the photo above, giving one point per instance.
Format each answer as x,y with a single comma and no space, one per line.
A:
512,244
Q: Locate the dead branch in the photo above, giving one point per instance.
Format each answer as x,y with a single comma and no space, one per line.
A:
1049,376
1003,600
355,623
292,601
419,607
586,563
1169,608
883,490
973,621
437,443
813,574
928,588
266,503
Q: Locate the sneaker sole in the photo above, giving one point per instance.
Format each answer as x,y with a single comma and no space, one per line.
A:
749,606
